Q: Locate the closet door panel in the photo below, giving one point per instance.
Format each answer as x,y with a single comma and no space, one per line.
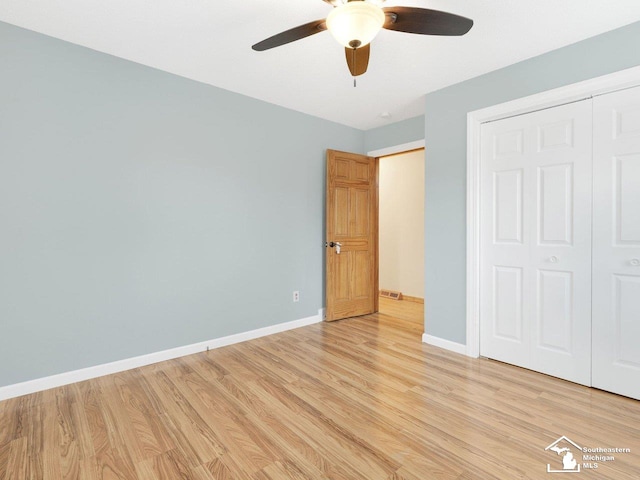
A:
535,241
505,332
616,243
561,247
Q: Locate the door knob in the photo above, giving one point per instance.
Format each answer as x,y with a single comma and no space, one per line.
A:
338,245
634,262
553,259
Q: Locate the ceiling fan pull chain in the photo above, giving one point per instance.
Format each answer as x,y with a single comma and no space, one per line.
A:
353,56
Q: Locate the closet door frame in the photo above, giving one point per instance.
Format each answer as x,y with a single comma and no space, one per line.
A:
571,93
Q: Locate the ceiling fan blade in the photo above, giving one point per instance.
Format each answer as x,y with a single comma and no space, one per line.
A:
425,22
357,59
291,35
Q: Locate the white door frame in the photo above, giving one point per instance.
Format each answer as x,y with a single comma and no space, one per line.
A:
405,147
578,91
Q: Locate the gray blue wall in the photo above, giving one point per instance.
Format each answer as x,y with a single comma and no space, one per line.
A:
445,173
141,211
397,133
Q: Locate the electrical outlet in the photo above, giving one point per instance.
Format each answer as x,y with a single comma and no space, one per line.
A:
296,296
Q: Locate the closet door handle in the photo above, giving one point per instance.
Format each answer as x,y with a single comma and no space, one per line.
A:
635,262
553,259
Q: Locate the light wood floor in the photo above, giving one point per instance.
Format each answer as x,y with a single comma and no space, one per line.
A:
355,399
403,310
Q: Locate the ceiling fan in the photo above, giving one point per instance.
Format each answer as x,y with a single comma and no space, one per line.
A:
355,23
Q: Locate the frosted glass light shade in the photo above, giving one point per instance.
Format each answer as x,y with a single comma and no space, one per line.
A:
355,24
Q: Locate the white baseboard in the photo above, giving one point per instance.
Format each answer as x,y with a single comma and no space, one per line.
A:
66,378
443,343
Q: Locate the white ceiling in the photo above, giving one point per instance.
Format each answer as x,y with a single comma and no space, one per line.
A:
210,41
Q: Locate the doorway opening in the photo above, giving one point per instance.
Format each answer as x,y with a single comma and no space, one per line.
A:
401,235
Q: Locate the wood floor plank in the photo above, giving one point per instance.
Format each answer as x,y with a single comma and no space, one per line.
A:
5,452
217,470
17,459
51,458
232,431
324,439
356,399
150,441
188,430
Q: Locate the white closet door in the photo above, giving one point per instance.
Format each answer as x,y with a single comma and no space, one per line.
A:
616,243
536,241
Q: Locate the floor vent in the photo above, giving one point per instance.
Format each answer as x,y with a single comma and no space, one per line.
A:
391,294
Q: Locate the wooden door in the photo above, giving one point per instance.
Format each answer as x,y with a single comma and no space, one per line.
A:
536,241
352,222
616,242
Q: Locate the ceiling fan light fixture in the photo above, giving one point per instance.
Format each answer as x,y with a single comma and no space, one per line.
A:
355,23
